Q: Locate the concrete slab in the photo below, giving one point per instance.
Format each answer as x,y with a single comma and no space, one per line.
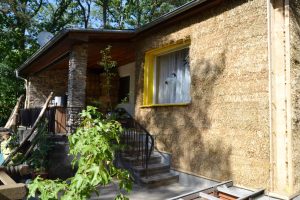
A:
140,193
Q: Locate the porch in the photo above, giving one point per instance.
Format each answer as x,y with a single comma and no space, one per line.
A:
71,69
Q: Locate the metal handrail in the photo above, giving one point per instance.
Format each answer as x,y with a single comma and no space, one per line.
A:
138,140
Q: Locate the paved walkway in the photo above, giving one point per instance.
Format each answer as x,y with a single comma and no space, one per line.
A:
165,192
141,193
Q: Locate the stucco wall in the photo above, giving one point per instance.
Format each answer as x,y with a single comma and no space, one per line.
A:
295,81
224,133
40,86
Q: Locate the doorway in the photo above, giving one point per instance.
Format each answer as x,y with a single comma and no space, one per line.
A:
127,87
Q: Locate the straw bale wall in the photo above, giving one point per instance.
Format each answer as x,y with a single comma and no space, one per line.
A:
295,85
224,133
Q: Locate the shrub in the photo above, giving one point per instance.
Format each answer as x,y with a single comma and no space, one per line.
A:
93,147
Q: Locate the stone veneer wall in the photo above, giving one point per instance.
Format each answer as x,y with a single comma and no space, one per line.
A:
76,85
224,133
295,81
40,85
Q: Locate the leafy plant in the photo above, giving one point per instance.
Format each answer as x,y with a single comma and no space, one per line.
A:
109,66
93,147
38,159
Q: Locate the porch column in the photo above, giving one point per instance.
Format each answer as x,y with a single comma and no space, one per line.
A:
76,85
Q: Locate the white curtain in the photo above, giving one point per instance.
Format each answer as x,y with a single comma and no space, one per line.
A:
173,78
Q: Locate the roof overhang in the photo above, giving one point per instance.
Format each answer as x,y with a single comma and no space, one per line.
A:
58,48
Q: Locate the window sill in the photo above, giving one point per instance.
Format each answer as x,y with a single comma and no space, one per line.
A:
165,105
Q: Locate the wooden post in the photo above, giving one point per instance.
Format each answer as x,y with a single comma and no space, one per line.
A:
12,120
10,189
8,159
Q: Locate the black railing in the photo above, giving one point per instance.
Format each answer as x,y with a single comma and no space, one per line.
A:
139,143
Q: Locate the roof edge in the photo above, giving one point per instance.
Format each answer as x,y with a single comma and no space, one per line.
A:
171,14
64,32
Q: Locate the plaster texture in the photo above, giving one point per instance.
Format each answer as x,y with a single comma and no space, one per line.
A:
224,132
295,89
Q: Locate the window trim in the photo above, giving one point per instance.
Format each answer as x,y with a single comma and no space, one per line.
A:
149,72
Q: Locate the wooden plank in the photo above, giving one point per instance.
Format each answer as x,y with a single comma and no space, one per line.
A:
226,196
227,191
12,120
8,159
60,120
5,179
13,192
254,194
207,190
207,196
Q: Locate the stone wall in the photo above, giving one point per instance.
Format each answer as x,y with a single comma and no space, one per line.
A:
40,85
77,76
295,81
224,133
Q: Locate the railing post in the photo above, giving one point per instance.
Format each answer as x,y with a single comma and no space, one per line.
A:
147,159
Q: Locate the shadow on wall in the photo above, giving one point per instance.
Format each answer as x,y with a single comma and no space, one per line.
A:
295,64
184,131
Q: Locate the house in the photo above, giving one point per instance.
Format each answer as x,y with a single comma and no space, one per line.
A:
216,82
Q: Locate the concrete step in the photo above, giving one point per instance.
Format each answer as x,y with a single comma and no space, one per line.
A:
134,150
159,180
154,159
153,169
135,142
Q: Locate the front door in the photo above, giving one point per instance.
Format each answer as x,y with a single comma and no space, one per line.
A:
126,88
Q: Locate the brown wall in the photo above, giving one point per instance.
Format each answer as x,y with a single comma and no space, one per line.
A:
40,86
224,133
295,81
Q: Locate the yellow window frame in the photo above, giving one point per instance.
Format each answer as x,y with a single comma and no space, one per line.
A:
149,67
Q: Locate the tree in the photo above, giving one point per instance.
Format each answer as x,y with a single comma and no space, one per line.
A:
56,15
85,7
20,22
134,13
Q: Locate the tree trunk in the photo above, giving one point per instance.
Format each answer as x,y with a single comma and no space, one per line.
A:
105,8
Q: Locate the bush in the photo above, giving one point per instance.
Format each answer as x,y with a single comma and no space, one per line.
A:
93,147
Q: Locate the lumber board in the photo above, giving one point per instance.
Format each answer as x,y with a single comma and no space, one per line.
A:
254,194
5,179
207,196
12,120
225,196
227,191
13,192
31,131
206,190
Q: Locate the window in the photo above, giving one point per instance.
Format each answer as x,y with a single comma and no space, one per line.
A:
167,76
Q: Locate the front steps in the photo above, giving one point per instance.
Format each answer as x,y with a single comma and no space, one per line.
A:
158,173
138,152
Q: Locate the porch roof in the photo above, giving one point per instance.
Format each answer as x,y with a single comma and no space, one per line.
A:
56,51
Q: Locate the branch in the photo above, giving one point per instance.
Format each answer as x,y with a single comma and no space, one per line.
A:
37,9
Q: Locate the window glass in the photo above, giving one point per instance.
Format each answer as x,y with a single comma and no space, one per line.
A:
172,78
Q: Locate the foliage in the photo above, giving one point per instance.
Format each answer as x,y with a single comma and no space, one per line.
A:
38,158
10,89
21,21
93,147
135,13
109,67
